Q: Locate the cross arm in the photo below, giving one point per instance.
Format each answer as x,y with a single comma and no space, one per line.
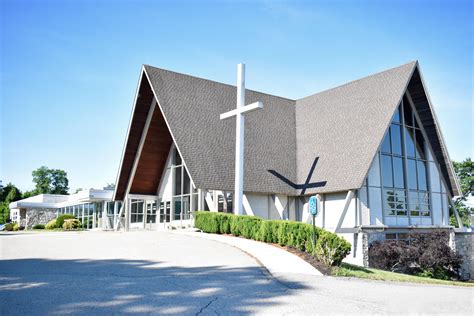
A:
242,110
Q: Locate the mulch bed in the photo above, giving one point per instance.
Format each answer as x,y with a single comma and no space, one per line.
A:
321,267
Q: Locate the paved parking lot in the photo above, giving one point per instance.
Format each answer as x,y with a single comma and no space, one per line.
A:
167,273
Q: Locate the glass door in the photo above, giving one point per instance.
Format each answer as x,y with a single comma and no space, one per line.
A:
150,214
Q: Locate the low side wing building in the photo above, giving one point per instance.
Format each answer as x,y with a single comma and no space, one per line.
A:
371,151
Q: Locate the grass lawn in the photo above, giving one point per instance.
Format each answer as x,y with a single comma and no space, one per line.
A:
349,270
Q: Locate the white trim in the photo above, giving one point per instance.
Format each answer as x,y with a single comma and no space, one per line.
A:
444,148
246,205
128,133
349,196
456,213
140,147
168,125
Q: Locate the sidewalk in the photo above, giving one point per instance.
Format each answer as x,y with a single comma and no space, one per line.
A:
277,261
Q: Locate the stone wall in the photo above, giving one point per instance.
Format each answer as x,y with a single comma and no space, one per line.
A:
464,245
38,216
367,239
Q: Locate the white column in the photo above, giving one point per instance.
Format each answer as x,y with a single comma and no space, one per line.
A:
239,143
200,200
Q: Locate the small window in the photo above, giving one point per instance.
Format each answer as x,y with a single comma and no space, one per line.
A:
177,161
395,132
410,141
408,114
398,176
421,168
411,172
387,171
386,143
396,116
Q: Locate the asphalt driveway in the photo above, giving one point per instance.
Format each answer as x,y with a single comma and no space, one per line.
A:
166,273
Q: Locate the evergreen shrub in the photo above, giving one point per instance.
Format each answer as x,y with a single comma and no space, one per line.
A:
60,219
329,249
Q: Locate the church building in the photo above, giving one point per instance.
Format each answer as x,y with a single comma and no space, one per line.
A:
370,150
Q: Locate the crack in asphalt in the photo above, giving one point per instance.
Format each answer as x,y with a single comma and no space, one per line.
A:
207,305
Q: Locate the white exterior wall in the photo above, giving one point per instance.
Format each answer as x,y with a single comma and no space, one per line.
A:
165,189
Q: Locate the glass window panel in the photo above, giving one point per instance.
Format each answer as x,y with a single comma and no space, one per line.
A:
195,202
411,172
398,176
416,122
391,236
177,208
420,145
414,204
185,207
186,182
395,134
410,141
408,114
386,143
396,116
387,171
421,175
176,157
177,181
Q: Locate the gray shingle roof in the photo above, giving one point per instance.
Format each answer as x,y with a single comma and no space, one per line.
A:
343,126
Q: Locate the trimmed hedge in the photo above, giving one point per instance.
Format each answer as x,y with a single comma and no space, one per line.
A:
38,226
329,249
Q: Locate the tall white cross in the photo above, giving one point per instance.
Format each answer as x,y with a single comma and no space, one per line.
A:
239,136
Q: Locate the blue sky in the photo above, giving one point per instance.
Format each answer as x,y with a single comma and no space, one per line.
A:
69,69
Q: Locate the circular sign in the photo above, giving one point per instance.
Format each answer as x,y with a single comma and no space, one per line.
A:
313,205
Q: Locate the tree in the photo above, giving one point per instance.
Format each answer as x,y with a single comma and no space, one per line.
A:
52,181
465,172
8,194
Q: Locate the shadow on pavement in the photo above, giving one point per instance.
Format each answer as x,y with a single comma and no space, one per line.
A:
41,286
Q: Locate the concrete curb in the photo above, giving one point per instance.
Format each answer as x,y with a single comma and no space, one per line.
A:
277,261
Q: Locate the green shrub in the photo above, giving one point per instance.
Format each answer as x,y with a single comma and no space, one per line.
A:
267,232
329,249
9,227
60,219
16,227
51,224
38,226
70,224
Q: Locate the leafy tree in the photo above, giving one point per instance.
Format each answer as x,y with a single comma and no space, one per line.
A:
8,194
465,172
52,181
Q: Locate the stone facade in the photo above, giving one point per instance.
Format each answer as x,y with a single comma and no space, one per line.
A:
37,216
367,239
464,245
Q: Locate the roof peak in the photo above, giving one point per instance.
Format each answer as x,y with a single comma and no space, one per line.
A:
412,63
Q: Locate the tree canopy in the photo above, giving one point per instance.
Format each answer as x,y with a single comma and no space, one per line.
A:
8,194
465,172
52,181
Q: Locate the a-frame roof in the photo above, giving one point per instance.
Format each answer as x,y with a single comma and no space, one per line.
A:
343,126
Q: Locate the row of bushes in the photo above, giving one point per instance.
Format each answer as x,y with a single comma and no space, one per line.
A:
422,254
65,221
13,227
329,248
